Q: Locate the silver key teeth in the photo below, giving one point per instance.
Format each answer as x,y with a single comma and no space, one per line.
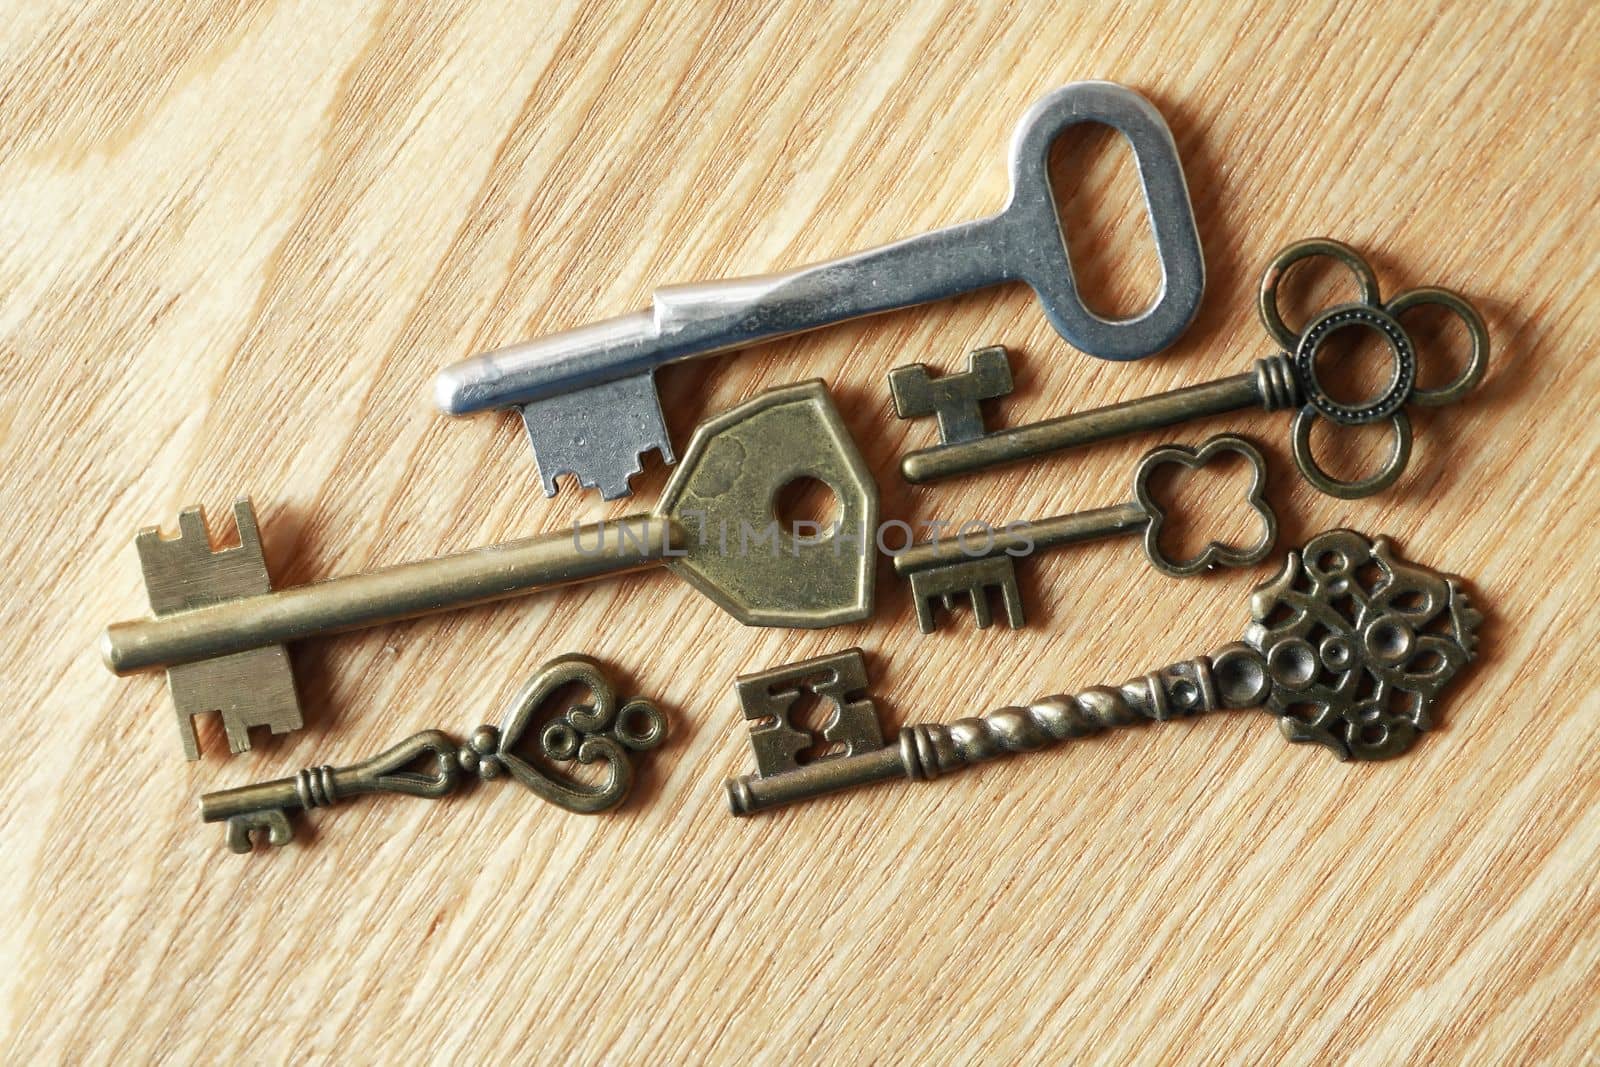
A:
597,434
973,579
250,688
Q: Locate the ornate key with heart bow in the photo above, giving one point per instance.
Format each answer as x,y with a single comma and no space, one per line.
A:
602,728
973,564
1290,379
1348,647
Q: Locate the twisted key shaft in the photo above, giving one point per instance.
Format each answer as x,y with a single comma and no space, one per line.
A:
1234,678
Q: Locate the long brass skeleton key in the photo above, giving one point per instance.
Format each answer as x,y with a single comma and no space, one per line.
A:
219,630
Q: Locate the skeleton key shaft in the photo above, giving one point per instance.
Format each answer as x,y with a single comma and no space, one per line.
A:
265,806
928,750
1269,386
404,591
587,396
1348,647
941,570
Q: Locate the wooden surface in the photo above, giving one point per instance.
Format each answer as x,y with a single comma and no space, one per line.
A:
240,238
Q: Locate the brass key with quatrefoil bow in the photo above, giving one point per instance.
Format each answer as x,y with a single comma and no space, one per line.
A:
1289,379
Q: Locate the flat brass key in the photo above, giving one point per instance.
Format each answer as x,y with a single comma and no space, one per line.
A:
219,631
1349,647
1289,379
602,728
972,564
588,398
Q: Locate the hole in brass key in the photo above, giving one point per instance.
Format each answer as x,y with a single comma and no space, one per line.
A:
806,508
1425,662
1410,600
1205,505
558,703
1350,452
1306,713
813,713
1103,220
1442,341
1355,365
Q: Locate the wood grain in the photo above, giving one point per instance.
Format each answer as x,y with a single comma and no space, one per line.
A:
239,238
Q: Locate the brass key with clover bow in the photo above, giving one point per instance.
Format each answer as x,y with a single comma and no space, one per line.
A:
942,571
1288,380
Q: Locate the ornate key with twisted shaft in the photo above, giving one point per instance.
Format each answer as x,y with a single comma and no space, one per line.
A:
1289,379
604,728
1349,647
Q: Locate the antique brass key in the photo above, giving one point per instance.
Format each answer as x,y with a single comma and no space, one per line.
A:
602,728
219,631
1289,379
939,571
1349,648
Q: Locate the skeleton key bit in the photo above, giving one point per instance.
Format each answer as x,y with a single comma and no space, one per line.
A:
588,396
1349,648
1288,379
601,729
220,633
939,571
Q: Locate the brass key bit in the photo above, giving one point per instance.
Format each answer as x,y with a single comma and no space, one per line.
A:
232,629
252,687
1289,379
971,565
603,728
768,699
1349,648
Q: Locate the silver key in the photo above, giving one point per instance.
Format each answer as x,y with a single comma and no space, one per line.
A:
588,396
